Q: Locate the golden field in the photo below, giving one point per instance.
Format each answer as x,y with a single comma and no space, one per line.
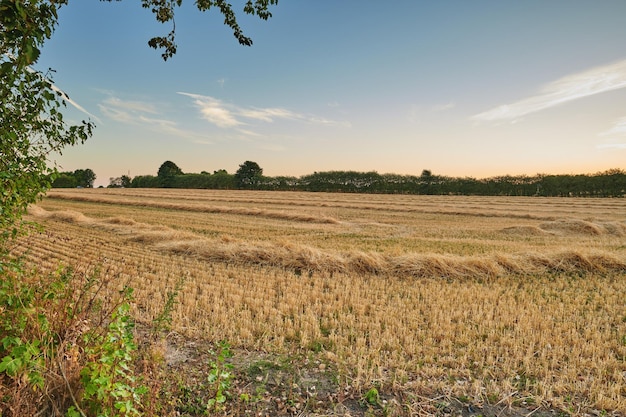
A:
488,298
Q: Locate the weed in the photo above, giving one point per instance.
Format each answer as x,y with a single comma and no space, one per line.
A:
163,321
110,385
371,397
56,350
220,377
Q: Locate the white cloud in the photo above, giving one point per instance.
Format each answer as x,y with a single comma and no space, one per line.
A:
126,111
227,115
217,115
247,132
116,114
328,122
145,114
269,114
62,93
619,129
444,107
73,103
131,105
214,110
572,87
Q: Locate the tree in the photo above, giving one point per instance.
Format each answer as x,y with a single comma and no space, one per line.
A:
126,181
84,177
167,171
119,182
165,11
64,180
145,181
248,175
222,180
31,119
79,178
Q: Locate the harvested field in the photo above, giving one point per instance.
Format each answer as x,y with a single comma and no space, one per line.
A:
518,301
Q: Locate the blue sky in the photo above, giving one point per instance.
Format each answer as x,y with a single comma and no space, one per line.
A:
462,88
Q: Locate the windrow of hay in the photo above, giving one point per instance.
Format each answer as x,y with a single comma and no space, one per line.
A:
569,227
301,257
121,220
529,208
281,215
483,211
583,227
525,231
67,216
135,231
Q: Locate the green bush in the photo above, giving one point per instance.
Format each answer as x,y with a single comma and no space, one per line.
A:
66,345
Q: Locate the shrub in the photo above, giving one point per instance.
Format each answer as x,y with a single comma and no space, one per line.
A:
66,344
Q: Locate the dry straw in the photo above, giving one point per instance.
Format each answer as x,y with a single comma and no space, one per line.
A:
200,208
487,306
301,257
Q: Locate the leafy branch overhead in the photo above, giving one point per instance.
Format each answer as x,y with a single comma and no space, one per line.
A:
31,115
164,12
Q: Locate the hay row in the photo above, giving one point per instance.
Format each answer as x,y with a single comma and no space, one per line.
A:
412,208
280,215
305,258
568,227
302,258
430,207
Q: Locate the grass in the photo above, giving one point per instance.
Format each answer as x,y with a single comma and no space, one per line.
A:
493,300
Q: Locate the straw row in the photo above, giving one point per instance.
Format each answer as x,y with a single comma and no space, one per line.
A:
305,258
281,215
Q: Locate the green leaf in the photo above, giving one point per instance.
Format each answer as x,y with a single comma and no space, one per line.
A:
11,365
31,53
72,412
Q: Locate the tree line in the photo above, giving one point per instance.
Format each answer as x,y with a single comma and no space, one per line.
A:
81,178
610,183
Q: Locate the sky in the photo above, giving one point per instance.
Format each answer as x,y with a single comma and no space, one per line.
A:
461,88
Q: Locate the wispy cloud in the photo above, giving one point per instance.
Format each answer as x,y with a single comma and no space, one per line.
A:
147,115
268,115
226,115
572,87
618,129
131,105
444,107
73,103
617,133
61,92
214,110
126,111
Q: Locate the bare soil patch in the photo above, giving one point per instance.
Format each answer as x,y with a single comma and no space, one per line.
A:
268,384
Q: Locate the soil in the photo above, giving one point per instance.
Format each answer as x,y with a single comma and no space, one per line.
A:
265,384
